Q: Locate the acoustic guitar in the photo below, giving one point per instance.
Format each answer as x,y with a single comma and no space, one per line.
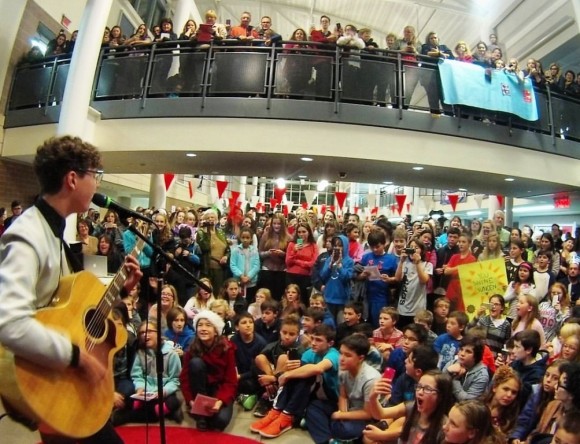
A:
62,402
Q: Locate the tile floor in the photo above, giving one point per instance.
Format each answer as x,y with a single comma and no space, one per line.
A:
13,433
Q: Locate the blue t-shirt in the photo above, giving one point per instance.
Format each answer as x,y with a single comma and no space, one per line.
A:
329,377
447,347
387,264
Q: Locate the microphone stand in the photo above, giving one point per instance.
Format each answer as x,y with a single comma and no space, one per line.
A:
159,253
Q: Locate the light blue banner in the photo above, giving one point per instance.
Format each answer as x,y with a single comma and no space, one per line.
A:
493,89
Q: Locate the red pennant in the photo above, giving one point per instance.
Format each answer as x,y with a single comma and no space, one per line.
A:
322,209
168,178
340,198
375,210
332,208
400,202
190,185
235,196
408,208
273,203
285,210
453,198
356,210
221,187
500,200
260,207
232,204
304,205
279,194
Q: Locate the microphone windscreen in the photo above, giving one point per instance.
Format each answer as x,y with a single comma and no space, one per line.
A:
101,200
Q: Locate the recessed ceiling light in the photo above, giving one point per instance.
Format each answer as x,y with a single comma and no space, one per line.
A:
418,168
307,159
388,182
302,177
461,189
509,179
191,155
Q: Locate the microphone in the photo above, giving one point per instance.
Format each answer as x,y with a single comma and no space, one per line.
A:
103,201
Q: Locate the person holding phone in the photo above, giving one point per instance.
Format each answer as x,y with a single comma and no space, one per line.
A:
336,275
300,258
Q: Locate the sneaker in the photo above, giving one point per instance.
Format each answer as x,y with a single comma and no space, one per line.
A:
303,425
280,425
250,402
258,425
201,424
262,408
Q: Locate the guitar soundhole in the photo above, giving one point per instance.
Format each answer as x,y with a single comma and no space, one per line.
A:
95,324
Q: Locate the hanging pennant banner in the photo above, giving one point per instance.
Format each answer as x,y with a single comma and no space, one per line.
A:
221,187
259,207
168,179
332,208
191,189
304,205
500,200
254,201
453,198
427,201
279,194
273,203
322,209
310,196
289,205
340,198
409,207
356,210
400,201
250,191
478,199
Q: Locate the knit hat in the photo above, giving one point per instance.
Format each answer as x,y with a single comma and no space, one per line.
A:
212,317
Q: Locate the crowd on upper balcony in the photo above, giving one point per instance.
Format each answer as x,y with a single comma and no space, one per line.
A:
492,54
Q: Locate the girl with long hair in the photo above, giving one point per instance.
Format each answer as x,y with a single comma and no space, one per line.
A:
502,399
523,283
300,258
554,310
527,317
202,300
492,249
273,245
469,422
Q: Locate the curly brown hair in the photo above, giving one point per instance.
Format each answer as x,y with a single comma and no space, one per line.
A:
59,155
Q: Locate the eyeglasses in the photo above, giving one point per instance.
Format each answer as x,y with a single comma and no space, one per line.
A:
426,389
559,385
98,174
163,293
143,333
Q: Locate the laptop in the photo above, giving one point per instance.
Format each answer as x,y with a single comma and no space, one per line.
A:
96,264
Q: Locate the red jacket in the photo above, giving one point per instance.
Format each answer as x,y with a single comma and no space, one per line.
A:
301,261
221,372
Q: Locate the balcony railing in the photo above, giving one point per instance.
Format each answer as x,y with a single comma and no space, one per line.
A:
309,72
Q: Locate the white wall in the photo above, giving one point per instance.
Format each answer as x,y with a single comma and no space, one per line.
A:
56,8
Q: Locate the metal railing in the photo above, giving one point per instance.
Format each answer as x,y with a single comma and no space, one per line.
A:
305,71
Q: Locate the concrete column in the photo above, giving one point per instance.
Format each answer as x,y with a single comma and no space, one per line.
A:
157,193
180,16
509,211
74,111
10,17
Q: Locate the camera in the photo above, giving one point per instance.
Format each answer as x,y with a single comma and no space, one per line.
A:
409,251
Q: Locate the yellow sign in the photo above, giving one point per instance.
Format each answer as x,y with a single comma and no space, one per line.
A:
479,281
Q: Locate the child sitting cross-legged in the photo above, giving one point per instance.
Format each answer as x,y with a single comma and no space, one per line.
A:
387,337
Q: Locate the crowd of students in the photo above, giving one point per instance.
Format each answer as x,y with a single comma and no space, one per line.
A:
354,330
354,41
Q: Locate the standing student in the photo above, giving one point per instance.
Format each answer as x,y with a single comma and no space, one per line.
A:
515,253
69,171
522,284
336,275
378,288
245,264
300,258
554,310
414,273
272,248
527,317
463,257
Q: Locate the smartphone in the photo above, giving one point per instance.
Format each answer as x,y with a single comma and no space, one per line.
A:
293,354
555,300
338,26
335,254
228,22
389,374
299,241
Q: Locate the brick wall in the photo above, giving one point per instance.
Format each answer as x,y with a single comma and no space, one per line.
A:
17,181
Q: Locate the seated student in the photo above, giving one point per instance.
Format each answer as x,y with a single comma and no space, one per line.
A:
222,309
210,369
413,335
178,332
387,337
569,429
565,404
421,359
447,344
497,328
262,294
312,317
469,422
356,379
424,414
315,381
502,399
248,344
291,304
231,292
275,359
352,318
528,365
488,358
317,301
541,396
123,361
470,375
144,378
440,312
268,326
425,318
